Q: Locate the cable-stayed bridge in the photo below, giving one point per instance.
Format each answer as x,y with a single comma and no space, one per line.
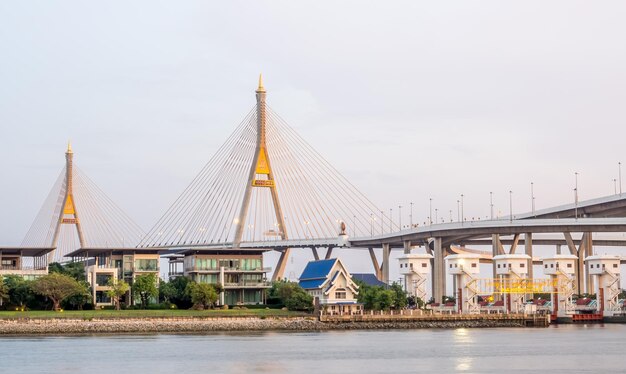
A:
267,188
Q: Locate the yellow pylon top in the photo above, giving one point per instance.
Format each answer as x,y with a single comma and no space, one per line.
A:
69,147
261,88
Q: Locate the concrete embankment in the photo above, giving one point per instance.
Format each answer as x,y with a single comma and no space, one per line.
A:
62,326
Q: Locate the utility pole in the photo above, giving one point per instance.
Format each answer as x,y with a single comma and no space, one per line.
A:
510,206
430,216
576,196
462,211
491,203
619,165
532,197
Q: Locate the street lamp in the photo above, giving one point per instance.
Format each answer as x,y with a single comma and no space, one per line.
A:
458,210
430,217
462,212
532,197
411,215
510,206
619,165
400,216
615,186
576,196
491,203
436,215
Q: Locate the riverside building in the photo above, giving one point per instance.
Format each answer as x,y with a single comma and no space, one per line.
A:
240,272
104,264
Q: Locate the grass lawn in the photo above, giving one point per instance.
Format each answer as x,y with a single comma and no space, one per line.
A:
85,314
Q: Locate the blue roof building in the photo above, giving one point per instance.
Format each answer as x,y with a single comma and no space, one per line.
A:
330,283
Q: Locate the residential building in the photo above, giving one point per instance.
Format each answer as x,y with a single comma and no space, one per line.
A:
104,264
29,263
240,272
331,286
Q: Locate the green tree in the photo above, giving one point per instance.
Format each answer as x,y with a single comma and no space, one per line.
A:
291,295
180,296
82,297
167,291
145,286
75,270
19,290
399,296
118,289
56,287
299,300
4,291
202,294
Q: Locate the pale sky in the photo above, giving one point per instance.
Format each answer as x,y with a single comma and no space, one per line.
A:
409,100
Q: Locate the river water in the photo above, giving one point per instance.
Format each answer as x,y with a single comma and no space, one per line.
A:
558,349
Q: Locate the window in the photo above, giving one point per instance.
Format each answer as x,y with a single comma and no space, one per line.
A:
569,265
102,279
545,266
498,266
424,264
551,265
473,264
614,265
450,266
522,265
340,294
146,265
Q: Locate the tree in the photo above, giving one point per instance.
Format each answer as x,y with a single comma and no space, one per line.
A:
82,297
19,290
75,270
299,300
167,291
4,291
118,289
399,299
146,287
56,287
202,294
175,291
291,295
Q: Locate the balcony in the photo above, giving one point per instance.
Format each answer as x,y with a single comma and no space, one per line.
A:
193,269
23,270
248,284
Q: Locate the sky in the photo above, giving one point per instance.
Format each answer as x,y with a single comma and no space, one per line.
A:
410,100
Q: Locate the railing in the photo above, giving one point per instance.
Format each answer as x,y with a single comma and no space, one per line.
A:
248,284
217,270
24,267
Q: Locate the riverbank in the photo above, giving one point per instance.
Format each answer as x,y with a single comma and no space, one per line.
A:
65,326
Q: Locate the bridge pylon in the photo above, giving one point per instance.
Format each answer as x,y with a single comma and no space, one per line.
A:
261,176
69,214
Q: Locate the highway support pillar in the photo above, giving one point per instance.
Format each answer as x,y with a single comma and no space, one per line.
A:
439,271
385,264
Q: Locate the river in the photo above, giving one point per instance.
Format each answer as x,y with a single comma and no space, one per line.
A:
557,349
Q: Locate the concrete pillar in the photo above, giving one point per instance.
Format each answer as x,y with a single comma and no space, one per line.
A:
528,246
385,270
589,280
558,249
407,247
494,251
439,271
377,268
